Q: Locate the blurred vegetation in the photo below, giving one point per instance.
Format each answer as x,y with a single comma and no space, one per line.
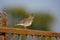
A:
42,20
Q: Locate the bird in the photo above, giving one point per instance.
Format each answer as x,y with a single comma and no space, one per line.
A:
26,22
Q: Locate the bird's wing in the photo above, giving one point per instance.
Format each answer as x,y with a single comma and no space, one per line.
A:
22,21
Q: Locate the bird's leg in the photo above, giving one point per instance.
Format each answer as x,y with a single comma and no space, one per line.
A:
25,27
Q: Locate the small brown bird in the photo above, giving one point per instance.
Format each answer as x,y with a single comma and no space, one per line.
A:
26,22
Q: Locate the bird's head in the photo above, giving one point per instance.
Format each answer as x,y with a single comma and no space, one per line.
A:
31,17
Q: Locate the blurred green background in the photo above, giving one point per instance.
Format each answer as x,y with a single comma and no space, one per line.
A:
42,20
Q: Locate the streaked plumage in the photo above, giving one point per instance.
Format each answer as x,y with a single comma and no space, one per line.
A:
26,22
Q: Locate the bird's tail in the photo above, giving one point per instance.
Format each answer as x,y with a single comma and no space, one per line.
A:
19,24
